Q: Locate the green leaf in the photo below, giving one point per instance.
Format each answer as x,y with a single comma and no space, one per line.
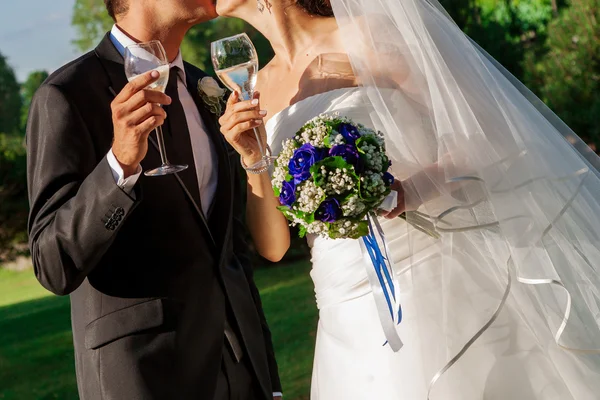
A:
301,231
285,210
368,139
276,191
362,230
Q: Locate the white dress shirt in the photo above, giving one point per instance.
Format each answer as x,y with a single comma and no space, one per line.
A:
202,147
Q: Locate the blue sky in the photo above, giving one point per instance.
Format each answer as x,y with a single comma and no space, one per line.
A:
36,34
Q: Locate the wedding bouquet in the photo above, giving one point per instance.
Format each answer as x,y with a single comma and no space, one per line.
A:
330,176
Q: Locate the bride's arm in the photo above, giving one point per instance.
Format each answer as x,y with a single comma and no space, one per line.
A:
267,225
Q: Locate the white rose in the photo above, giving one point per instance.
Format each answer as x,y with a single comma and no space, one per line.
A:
209,86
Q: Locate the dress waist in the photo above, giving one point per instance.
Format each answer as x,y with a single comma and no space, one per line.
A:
339,269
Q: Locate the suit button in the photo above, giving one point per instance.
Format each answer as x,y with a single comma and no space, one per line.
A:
120,211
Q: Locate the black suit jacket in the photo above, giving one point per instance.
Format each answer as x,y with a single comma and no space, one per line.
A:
151,279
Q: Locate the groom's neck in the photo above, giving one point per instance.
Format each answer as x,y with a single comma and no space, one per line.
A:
143,27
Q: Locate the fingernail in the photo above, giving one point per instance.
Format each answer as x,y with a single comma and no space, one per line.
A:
255,102
258,121
154,74
263,112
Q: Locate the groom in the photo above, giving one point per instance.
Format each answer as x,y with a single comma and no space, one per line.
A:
163,302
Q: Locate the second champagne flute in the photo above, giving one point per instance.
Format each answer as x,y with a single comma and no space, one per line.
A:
236,64
139,59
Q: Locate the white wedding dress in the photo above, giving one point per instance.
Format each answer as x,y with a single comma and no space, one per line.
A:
508,362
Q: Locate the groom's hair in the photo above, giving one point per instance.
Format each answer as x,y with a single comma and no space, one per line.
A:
116,7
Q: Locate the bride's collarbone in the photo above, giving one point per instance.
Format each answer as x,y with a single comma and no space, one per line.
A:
282,87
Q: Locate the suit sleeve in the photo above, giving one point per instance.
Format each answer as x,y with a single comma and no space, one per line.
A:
76,207
242,251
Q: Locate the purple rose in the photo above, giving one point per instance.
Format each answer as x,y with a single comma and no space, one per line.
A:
304,158
287,197
329,211
388,179
349,132
349,153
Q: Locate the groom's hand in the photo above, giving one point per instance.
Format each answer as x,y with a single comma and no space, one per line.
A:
136,111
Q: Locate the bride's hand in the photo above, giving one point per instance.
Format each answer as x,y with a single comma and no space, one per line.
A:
400,207
237,125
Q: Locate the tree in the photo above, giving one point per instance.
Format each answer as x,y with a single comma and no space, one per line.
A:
13,195
91,21
567,74
28,89
10,99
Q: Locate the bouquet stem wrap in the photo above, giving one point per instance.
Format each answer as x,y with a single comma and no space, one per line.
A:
383,281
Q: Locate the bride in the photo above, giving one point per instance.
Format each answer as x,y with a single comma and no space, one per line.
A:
506,303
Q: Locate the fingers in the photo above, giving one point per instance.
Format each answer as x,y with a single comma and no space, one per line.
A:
232,135
241,117
144,112
144,97
397,186
139,83
401,206
395,212
233,98
149,125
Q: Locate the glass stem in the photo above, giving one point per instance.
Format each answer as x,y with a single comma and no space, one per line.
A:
161,145
248,96
259,141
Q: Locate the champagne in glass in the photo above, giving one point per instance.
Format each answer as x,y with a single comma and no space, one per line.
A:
139,59
236,64
160,84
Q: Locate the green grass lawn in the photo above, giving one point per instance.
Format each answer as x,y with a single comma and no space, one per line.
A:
36,353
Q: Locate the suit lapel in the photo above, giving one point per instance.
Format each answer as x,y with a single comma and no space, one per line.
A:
112,61
221,208
113,64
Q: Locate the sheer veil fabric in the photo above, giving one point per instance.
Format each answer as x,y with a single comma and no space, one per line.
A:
513,191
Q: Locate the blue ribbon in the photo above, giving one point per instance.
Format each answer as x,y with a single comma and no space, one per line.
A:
384,278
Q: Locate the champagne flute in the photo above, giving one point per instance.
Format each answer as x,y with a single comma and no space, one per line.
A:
139,59
236,64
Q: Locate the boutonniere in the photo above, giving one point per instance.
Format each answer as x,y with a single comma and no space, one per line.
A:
212,94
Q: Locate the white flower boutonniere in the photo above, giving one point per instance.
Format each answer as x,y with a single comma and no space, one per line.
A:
212,94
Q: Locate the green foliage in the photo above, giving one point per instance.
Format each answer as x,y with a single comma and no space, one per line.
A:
28,89
13,194
567,74
10,100
91,21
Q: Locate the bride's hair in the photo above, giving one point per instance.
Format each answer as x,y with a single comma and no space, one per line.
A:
317,7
